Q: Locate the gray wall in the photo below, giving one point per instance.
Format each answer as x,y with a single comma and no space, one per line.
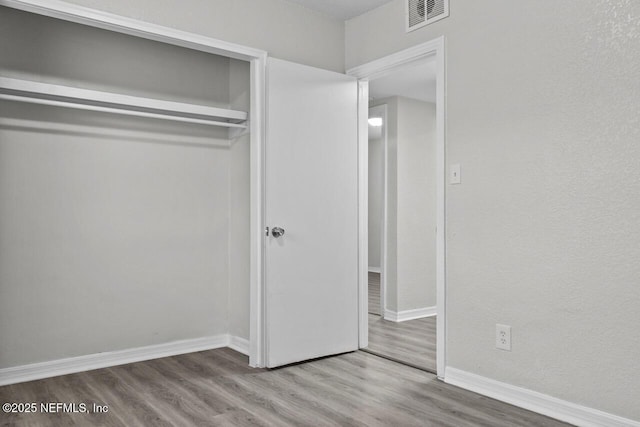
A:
416,210
108,243
376,193
284,29
117,232
542,235
411,203
390,267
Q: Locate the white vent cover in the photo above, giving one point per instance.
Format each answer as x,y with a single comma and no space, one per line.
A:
423,12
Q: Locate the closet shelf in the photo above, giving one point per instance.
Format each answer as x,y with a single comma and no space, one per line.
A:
108,102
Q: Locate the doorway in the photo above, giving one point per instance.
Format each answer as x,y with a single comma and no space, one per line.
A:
402,215
406,322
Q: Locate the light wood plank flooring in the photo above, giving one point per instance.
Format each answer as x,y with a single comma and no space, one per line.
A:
216,388
412,342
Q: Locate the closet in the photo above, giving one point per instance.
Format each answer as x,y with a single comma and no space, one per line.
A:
124,189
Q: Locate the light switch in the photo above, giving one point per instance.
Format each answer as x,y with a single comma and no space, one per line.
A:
454,173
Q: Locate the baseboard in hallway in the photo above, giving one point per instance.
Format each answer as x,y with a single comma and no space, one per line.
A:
403,316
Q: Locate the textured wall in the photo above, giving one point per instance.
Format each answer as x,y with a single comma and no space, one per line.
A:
286,30
543,100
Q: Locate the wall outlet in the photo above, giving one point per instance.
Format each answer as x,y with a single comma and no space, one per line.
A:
503,337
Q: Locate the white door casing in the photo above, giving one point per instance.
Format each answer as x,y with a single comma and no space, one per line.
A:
311,180
379,68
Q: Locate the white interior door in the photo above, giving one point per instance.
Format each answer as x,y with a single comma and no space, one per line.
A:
312,194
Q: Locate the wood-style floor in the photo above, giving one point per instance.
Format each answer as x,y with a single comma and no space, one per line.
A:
216,388
412,342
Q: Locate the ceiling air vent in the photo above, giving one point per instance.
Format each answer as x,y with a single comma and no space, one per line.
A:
423,12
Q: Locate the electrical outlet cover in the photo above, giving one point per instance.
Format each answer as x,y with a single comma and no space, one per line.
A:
503,337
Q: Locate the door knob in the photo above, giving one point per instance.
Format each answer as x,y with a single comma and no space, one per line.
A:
277,232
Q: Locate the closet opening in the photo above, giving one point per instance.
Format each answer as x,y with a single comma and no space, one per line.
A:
131,156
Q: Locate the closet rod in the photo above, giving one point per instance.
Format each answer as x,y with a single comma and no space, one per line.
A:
92,100
67,104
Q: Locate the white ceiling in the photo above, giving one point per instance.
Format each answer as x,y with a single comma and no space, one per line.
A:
417,81
341,9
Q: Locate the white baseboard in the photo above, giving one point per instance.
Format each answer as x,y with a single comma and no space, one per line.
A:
403,316
374,270
537,402
36,371
238,344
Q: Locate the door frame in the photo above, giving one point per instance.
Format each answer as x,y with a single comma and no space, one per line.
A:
257,59
365,73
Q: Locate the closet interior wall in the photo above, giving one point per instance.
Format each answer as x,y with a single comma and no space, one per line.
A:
118,232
